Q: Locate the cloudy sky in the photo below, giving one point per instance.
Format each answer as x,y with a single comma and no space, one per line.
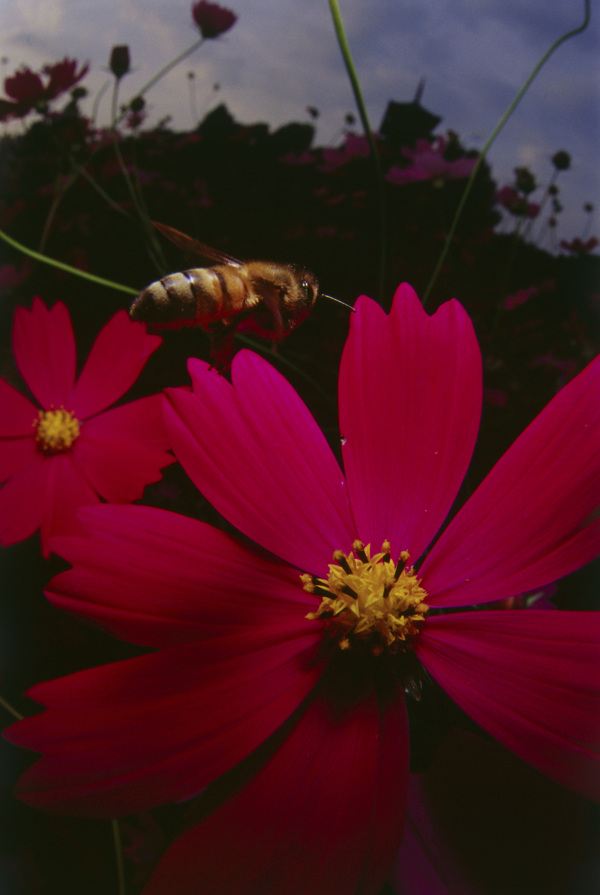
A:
282,56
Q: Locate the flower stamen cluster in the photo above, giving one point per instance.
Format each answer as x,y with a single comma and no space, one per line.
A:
369,601
57,430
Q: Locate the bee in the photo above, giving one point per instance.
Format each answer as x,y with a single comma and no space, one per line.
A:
263,298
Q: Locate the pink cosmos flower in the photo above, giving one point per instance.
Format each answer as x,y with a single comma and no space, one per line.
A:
212,19
11,277
429,164
578,247
520,297
26,88
356,146
516,203
278,676
62,76
72,451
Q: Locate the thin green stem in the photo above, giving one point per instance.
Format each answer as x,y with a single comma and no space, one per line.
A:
167,68
362,111
58,197
81,172
66,267
119,856
97,99
10,709
152,244
493,136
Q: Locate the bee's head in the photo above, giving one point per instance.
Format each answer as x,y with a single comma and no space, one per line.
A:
299,302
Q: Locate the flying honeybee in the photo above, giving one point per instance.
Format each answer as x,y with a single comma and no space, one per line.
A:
258,297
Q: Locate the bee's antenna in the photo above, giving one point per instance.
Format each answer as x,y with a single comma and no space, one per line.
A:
339,301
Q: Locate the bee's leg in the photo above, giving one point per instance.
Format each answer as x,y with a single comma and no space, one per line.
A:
273,295
221,346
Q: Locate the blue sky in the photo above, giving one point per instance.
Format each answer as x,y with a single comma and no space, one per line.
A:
282,56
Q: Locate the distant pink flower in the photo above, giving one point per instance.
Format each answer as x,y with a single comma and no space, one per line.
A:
516,203
11,277
25,86
429,164
303,158
27,90
212,19
578,247
495,396
301,650
356,146
520,297
62,76
550,361
73,451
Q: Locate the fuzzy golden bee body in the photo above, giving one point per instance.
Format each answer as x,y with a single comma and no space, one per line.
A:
259,297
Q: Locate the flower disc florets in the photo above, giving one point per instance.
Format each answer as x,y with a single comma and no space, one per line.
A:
56,430
370,602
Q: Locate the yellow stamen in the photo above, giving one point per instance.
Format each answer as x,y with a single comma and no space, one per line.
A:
56,430
369,601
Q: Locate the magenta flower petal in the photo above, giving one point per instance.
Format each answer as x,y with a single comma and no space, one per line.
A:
140,421
130,735
133,559
408,384
15,453
18,413
17,447
525,526
113,365
254,450
21,500
66,489
44,349
305,823
530,679
124,449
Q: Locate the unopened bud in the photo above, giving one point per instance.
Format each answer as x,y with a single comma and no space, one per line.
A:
119,61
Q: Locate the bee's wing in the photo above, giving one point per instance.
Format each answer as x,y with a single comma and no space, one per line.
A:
193,246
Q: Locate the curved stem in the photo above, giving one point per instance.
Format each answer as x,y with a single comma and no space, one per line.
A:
493,136
119,855
97,99
362,111
137,199
10,709
81,172
66,267
168,67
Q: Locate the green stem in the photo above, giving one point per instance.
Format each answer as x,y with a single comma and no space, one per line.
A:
119,855
97,99
362,111
81,172
10,709
152,245
167,68
493,136
66,267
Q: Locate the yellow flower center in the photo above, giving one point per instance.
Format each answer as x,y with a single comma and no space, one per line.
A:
370,602
56,430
